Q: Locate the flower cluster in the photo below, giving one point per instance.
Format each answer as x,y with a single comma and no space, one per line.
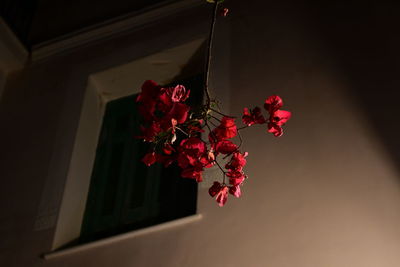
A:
165,115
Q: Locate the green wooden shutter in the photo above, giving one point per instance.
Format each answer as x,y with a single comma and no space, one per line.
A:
119,180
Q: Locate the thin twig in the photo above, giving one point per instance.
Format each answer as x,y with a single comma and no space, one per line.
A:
212,123
222,114
211,132
215,118
209,50
241,140
219,166
182,131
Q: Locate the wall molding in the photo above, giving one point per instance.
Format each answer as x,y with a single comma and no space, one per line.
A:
101,88
122,237
13,54
106,30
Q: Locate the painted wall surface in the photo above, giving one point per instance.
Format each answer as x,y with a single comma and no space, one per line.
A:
326,194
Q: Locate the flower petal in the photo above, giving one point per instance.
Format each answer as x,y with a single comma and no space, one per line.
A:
280,117
225,147
235,190
273,103
214,189
149,159
222,196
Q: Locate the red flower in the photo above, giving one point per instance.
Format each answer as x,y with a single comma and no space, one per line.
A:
280,117
164,102
150,132
149,159
222,196
150,89
236,177
273,103
178,93
235,190
226,130
277,117
225,147
253,116
166,160
191,150
237,161
214,189
185,160
148,99
168,149
193,173
207,160
179,112
220,191
224,12
193,146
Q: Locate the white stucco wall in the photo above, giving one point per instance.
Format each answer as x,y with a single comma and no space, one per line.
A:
325,194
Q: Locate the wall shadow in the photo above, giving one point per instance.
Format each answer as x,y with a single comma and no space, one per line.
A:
364,41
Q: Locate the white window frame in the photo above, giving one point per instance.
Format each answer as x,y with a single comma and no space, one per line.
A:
103,87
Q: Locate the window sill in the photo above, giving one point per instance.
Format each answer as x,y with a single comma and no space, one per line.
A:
121,237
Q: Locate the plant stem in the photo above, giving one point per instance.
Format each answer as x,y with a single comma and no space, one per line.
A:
209,50
181,131
222,114
215,118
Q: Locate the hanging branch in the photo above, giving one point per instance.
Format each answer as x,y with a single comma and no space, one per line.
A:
209,50
164,110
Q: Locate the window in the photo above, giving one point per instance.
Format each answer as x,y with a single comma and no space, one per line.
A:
124,194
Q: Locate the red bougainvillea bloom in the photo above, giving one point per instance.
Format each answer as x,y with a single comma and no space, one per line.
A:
168,149
185,160
237,161
167,119
273,103
179,112
235,177
191,152
280,117
149,159
220,191
150,89
178,93
222,196
149,133
276,130
207,159
193,146
277,117
214,189
225,147
161,106
148,99
194,172
224,12
226,130
235,190
166,160
254,116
